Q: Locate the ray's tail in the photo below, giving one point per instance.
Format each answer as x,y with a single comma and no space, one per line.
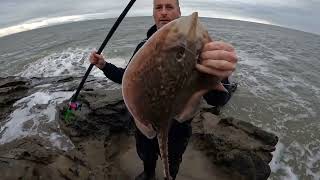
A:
163,146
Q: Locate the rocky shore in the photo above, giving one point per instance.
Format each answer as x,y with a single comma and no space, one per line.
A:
103,143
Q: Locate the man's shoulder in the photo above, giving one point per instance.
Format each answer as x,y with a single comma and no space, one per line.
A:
139,46
142,43
150,32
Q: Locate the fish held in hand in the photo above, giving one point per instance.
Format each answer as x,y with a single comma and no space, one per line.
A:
162,83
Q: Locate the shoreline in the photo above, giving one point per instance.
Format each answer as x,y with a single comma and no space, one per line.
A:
28,25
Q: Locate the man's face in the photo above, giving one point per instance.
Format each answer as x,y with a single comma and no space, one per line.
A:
165,11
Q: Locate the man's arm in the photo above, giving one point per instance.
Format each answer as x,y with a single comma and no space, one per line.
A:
111,71
218,98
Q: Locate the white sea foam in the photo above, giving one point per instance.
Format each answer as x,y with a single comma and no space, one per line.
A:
277,163
70,62
263,81
307,155
60,141
33,115
249,59
313,161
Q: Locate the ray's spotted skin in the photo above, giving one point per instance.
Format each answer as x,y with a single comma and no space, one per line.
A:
161,82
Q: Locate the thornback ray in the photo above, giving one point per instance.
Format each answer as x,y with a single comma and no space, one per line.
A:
161,83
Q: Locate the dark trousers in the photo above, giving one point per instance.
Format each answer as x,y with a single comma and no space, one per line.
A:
148,149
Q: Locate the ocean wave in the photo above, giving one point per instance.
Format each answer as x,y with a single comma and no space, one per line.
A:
278,165
70,62
35,115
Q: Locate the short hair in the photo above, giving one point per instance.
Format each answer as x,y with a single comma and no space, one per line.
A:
177,1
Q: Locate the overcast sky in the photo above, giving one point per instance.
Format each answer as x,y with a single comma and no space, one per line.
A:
297,14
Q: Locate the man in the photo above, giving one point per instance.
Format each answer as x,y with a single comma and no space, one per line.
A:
219,59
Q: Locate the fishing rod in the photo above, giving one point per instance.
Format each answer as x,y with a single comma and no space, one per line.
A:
73,104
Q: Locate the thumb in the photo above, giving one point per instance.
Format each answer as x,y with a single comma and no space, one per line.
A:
220,87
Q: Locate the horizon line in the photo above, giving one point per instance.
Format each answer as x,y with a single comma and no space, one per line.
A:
37,23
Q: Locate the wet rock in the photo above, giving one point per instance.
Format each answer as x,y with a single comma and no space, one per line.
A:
97,116
33,158
102,131
11,90
235,145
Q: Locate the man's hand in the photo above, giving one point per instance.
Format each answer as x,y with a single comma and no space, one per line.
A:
97,60
218,59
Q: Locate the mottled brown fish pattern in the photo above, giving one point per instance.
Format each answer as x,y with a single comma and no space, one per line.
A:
162,83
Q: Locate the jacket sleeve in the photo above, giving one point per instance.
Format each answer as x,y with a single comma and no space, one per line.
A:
115,73
218,98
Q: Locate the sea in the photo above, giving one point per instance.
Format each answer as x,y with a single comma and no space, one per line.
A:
278,73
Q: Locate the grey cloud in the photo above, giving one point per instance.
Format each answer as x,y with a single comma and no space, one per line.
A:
298,14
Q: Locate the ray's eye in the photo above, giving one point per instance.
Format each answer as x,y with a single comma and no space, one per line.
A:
180,53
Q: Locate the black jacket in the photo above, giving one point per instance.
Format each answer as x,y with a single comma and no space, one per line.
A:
214,98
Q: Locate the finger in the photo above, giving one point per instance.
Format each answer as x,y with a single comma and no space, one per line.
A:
219,54
93,59
92,56
93,52
98,56
218,45
219,65
215,72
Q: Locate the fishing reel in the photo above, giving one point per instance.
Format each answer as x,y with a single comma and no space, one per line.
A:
75,106
69,115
